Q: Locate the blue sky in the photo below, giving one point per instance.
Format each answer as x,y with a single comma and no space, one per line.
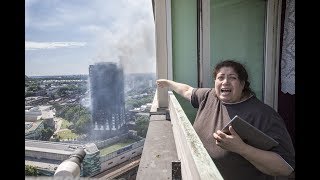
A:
64,37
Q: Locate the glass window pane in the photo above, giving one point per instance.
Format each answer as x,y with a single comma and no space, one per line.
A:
238,32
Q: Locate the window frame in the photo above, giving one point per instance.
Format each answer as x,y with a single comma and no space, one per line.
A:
271,50
163,34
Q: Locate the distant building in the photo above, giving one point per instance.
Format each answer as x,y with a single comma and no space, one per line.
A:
36,119
149,105
91,163
47,156
107,99
38,112
33,130
32,114
36,100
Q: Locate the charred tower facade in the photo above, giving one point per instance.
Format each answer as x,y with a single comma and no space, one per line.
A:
107,99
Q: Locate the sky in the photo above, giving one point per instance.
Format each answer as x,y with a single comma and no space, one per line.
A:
64,37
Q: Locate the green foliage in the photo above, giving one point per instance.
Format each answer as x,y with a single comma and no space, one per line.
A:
66,134
69,114
77,115
148,90
57,107
135,103
71,88
65,124
142,124
55,138
29,93
83,124
114,147
60,110
62,92
141,90
46,133
83,88
72,112
33,86
30,171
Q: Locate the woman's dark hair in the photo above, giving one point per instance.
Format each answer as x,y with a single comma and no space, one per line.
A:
239,69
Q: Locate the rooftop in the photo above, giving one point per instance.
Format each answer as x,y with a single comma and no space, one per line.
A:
51,147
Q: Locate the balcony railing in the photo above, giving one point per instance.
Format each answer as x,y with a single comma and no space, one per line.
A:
187,147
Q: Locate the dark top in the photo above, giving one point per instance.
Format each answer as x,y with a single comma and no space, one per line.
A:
213,115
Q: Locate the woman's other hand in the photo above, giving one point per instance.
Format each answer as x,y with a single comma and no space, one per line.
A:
231,142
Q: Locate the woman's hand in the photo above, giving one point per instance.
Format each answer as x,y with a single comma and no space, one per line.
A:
267,162
231,142
182,89
162,83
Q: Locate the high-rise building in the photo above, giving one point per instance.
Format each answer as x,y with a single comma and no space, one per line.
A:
107,99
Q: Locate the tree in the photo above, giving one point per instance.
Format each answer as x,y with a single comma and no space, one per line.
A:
55,138
29,93
46,133
31,171
69,114
83,124
131,103
142,124
57,106
34,87
62,91
60,110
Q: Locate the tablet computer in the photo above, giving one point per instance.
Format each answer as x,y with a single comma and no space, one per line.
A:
250,134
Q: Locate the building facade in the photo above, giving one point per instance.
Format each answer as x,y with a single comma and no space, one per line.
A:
107,99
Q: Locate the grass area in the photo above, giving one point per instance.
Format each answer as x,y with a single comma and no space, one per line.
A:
67,134
116,146
65,124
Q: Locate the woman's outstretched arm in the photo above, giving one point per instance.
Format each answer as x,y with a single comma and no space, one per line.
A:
182,89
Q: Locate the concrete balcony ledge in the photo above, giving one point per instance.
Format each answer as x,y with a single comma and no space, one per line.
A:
195,160
159,149
174,140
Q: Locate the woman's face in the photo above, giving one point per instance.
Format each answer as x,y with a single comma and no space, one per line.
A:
228,86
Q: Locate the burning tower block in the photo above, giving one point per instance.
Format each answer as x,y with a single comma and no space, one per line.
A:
107,99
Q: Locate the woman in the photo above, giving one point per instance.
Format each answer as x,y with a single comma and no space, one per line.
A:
232,96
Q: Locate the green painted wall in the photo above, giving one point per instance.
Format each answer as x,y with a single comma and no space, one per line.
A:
184,48
237,32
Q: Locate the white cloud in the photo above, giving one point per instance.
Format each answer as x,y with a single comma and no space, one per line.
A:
130,37
121,30
92,29
29,45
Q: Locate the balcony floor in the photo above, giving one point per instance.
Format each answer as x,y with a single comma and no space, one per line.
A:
161,148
